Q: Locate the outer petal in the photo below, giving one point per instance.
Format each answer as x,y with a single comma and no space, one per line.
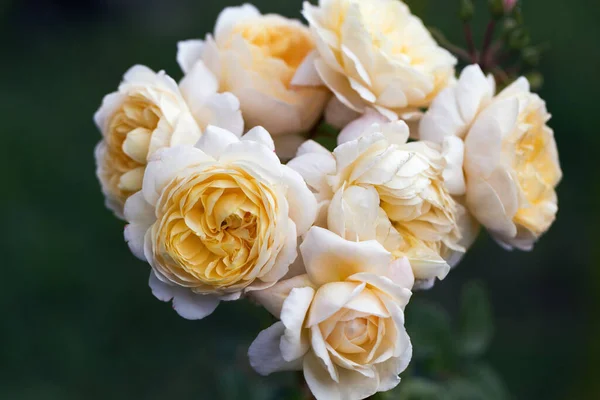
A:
260,135
303,205
231,16
188,53
306,73
273,298
320,383
222,110
453,150
295,342
187,304
356,128
215,141
198,84
329,258
141,216
166,164
338,115
264,354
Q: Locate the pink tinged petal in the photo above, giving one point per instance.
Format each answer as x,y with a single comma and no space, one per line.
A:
198,85
358,127
188,53
320,383
303,204
306,73
273,297
215,141
141,216
338,115
295,342
340,86
329,258
330,298
188,304
260,135
166,164
264,354
453,150
230,17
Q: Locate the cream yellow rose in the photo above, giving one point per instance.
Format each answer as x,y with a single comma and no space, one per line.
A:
511,162
376,186
376,54
150,111
342,323
217,220
256,57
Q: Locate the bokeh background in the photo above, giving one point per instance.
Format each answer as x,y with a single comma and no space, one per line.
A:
78,319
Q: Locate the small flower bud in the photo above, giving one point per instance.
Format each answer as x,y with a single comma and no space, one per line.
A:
467,9
509,5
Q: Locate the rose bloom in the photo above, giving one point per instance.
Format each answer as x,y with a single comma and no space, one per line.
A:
217,220
256,57
342,323
375,53
150,112
511,162
376,186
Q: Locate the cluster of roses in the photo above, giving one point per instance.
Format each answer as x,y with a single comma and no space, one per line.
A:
332,244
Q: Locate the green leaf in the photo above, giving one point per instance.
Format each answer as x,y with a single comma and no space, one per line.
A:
476,326
418,389
489,381
463,389
431,334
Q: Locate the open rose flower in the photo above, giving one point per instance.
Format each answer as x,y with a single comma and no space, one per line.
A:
255,57
511,162
217,220
342,323
376,186
150,112
376,54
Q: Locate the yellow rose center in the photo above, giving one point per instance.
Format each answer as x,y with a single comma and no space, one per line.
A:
356,336
536,167
278,39
213,229
127,144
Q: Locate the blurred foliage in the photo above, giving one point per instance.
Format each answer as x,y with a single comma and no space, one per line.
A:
78,318
449,359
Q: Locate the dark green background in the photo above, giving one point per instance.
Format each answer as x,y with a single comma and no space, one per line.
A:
78,319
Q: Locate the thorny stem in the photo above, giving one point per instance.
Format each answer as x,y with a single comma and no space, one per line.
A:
487,41
470,42
458,51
